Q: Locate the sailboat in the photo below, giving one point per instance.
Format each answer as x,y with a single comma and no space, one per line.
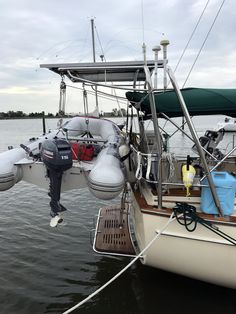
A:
188,200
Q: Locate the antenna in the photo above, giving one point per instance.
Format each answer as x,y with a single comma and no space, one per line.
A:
144,54
164,43
93,41
156,49
94,60
142,19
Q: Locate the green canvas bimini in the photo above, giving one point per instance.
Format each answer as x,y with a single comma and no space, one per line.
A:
199,101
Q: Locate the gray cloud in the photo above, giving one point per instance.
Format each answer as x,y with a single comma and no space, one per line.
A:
34,32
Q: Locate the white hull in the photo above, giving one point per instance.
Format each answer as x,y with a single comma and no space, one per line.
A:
35,173
201,254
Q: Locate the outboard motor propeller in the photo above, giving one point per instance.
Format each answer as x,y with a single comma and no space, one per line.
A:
57,157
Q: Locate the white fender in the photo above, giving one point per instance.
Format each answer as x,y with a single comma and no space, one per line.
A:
106,179
9,172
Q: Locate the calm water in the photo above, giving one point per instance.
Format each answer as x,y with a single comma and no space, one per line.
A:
46,270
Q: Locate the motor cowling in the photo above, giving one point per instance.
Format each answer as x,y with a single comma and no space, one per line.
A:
57,157
56,154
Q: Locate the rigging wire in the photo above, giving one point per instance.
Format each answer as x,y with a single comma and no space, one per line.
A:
113,90
52,47
104,94
66,44
142,11
99,41
208,33
68,47
118,104
102,56
111,96
190,38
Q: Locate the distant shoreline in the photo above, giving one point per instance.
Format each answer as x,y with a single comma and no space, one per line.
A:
23,118
49,117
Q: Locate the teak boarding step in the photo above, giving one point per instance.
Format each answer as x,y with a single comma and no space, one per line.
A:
112,232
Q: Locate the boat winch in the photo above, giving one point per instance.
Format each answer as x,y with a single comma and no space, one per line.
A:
57,157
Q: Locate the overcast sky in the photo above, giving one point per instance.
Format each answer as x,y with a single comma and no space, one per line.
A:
50,31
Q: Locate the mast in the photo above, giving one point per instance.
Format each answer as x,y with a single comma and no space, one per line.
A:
93,41
94,60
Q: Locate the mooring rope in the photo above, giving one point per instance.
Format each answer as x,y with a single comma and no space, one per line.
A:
190,217
171,219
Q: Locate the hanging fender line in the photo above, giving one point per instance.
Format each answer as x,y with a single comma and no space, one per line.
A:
144,157
191,219
126,156
149,165
139,171
130,134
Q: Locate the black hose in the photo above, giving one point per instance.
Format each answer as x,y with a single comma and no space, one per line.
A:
190,217
188,212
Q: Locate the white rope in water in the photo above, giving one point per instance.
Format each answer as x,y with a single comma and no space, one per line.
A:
171,219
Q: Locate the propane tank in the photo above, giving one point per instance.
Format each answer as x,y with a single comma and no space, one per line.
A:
188,173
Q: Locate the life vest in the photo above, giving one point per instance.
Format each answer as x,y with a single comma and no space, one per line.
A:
82,151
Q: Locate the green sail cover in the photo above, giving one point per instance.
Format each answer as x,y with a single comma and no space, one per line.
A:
199,101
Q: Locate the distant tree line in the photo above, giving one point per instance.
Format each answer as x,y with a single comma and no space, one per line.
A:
20,114
115,113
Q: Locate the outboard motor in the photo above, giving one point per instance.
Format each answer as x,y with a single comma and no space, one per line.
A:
210,140
57,157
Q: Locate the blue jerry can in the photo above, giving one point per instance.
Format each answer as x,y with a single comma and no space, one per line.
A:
225,185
